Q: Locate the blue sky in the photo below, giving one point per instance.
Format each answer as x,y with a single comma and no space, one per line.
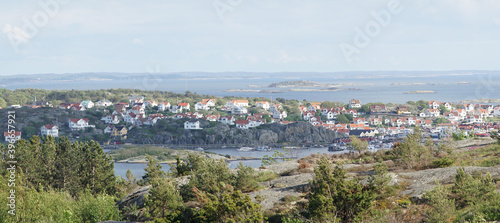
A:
247,35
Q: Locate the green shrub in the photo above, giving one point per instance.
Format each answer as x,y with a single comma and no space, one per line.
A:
443,162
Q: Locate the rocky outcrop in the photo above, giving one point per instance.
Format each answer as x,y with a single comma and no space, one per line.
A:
221,134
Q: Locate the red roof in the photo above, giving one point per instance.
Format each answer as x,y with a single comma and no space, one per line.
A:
16,133
75,120
184,104
241,122
50,126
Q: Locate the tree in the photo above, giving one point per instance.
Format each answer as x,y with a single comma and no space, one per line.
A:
96,169
153,171
440,121
358,144
245,179
227,205
3,103
411,153
442,208
341,118
327,104
164,200
332,195
443,109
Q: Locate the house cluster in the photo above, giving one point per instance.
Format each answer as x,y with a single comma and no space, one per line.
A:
461,113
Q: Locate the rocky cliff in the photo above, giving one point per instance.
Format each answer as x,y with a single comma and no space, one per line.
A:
296,133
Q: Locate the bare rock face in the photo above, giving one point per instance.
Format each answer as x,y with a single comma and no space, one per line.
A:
220,134
423,180
134,198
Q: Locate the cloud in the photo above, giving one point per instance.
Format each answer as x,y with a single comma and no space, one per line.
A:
138,41
14,32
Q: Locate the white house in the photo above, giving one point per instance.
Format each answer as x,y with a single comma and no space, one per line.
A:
496,111
104,103
185,106
447,105
354,103
111,119
474,119
263,104
433,104
242,124
130,118
136,99
162,106
49,130
212,118
108,129
79,123
375,121
353,112
242,103
16,135
239,110
201,106
432,112
279,115
210,102
150,103
228,120
87,104
192,124
308,114
468,107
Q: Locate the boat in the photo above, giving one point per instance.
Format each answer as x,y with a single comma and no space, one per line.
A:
199,149
264,148
245,149
334,147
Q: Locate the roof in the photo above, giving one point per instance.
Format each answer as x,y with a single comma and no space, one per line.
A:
355,101
16,133
75,120
206,100
184,104
120,127
242,122
50,126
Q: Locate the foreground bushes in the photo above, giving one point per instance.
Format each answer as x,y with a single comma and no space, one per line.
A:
53,206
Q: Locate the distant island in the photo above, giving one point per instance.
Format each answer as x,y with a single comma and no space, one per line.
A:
420,92
290,84
408,84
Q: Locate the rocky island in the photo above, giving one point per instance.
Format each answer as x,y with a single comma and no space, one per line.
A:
420,92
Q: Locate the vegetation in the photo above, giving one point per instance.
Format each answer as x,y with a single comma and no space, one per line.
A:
470,199
358,144
333,198
60,182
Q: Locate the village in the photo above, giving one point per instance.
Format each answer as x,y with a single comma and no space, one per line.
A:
439,120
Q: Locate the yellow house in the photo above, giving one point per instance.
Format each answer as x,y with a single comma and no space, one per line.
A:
402,110
119,131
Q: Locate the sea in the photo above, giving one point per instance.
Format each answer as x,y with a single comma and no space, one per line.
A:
448,88
138,168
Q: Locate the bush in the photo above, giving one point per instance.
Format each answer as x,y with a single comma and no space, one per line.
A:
442,208
443,162
245,179
332,196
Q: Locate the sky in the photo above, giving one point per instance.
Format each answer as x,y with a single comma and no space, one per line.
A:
131,36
